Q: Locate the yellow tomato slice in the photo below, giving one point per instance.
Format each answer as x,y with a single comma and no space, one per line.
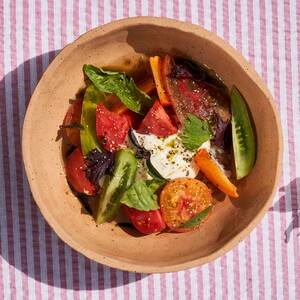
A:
181,199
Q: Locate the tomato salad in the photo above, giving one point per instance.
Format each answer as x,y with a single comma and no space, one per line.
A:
159,150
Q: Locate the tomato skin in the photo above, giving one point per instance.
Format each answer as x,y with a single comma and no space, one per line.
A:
146,222
111,128
181,199
191,94
72,117
75,171
157,122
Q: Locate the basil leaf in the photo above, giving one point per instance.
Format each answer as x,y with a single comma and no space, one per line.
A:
195,132
141,195
121,85
195,220
88,137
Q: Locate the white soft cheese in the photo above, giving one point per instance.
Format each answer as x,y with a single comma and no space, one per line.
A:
169,156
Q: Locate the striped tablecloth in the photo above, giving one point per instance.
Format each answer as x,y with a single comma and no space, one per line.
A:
35,264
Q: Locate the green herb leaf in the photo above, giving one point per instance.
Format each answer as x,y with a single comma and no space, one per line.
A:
141,195
88,137
195,132
194,221
121,85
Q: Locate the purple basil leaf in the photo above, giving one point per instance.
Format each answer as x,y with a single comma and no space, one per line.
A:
220,129
98,164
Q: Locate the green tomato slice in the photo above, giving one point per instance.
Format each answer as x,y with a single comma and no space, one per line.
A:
88,137
115,185
243,139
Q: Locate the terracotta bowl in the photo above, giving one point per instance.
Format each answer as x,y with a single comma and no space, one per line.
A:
124,43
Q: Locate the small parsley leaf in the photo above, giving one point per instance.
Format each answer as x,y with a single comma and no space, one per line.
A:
195,132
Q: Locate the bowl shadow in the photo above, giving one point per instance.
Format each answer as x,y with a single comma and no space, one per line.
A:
280,206
27,242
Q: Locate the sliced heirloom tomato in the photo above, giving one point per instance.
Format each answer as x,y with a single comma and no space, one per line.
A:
72,119
157,122
111,128
146,222
194,89
75,171
156,63
182,199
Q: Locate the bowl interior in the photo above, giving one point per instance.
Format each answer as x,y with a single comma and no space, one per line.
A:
125,44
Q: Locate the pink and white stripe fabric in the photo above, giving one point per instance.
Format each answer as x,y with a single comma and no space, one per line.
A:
35,264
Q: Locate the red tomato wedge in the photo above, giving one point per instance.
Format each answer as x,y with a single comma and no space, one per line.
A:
157,122
75,171
111,128
73,117
181,199
146,222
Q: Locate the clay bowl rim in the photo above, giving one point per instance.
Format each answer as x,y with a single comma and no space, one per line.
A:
199,32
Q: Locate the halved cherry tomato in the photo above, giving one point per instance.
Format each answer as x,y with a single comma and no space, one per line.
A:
75,171
146,222
157,122
111,128
72,117
181,199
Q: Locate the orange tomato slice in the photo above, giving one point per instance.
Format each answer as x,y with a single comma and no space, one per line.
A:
181,199
155,63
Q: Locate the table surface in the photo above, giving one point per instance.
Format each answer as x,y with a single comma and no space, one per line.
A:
35,263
